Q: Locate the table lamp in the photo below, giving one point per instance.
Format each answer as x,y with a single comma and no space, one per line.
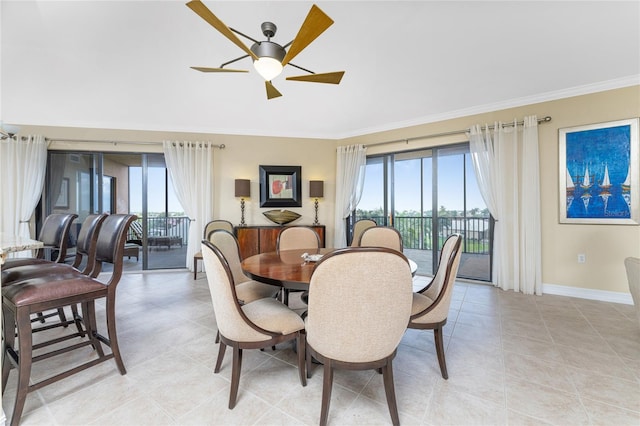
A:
243,189
316,190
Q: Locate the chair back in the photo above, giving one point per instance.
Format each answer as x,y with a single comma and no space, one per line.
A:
217,224
297,237
632,265
358,229
440,289
55,234
231,320
381,236
227,243
87,241
110,244
359,303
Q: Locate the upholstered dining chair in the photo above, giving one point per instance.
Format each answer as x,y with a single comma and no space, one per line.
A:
208,229
247,289
632,266
293,238
358,229
255,325
54,234
381,236
358,336
52,291
431,304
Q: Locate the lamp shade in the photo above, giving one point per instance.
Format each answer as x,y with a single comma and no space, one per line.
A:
243,188
316,188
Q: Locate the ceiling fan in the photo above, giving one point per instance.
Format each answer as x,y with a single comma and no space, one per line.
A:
269,58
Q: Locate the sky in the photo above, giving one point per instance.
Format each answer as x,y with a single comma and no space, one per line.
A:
156,191
407,185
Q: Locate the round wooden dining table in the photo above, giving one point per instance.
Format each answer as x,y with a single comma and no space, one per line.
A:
288,268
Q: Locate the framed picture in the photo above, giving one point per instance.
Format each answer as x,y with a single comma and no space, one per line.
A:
599,176
280,186
63,199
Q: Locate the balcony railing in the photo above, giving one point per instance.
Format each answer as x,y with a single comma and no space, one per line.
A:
173,226
416,231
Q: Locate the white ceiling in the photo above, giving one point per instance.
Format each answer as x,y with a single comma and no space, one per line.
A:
125,65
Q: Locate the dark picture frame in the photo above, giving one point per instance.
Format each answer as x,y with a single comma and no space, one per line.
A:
280,186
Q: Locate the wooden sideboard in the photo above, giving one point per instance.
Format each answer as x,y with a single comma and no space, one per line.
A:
261,239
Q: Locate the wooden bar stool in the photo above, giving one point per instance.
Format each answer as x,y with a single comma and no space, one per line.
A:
57,290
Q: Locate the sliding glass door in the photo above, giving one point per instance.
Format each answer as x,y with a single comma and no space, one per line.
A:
427,195
88,183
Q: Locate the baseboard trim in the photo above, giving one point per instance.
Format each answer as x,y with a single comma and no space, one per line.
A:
587,293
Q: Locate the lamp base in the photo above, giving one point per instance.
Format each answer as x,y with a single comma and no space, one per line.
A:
242,223
316,207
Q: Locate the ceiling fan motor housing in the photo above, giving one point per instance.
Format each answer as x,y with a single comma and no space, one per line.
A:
268,49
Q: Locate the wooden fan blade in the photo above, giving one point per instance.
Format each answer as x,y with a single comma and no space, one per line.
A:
198,7
328,77
314,24
272,92
205,69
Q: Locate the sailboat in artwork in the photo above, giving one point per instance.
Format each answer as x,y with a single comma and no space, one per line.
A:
571,186
626,185
586,181
606,183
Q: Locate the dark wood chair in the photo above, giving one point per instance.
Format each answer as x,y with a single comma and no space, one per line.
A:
358,336
431,304
54,234
57,290
255,325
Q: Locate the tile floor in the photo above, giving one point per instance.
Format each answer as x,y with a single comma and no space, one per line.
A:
512,360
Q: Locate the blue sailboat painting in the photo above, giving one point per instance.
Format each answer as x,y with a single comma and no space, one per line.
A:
597,172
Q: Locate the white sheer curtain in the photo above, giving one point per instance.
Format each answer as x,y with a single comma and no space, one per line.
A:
350,168
190,166
506,163
23,164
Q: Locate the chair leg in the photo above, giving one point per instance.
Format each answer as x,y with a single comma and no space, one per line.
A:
92,327
195,268
308,360
9,337
24,364
77,319
217,337
301,344
220,357
235,376
327,384
437,334
113,336
389,390
62,316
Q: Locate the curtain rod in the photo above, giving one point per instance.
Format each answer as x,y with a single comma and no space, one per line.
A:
453,132
221,146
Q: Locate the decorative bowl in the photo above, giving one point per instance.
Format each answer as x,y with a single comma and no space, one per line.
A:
281,217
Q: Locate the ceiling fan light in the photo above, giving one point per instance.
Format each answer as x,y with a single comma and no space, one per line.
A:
268,68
